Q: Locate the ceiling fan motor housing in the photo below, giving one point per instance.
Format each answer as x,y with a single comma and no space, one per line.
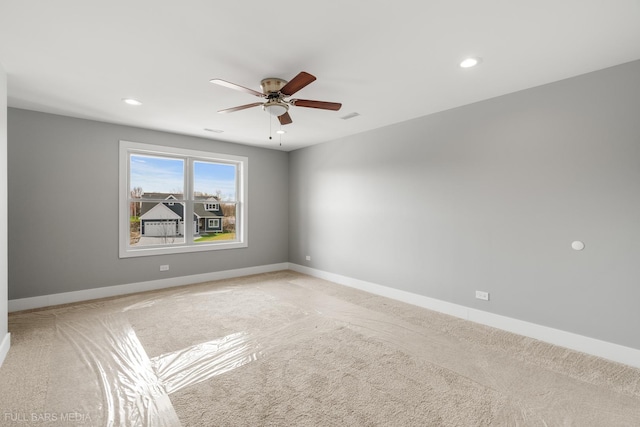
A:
272,85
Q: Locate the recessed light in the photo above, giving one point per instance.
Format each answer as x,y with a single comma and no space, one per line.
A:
281,132
214,130
131,101
470,62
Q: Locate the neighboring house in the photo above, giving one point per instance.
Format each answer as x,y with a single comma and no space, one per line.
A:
209,214
167,218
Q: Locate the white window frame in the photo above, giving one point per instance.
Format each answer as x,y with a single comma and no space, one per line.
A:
241,163
213,223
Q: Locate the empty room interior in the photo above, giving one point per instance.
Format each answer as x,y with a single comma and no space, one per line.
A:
327,214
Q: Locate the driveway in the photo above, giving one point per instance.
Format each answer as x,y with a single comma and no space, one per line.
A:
146,240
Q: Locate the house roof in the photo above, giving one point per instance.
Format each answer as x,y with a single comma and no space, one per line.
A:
160,196
177,208
160,211
166,196
198,209
389,62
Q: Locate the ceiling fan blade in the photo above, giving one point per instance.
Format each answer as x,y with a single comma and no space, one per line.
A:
241,107
237,87
285,119
334,106
297,83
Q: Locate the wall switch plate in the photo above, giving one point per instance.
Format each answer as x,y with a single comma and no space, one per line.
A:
482,295
164,267
308,257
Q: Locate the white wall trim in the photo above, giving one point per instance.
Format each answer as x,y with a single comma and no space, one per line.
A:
4,347
116,290
615,352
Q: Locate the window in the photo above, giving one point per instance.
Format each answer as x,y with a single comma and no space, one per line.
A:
167,196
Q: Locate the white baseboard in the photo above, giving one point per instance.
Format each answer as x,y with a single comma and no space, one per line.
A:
615,352
130,288
595,347
4,347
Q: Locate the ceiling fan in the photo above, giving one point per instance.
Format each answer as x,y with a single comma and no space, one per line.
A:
275,90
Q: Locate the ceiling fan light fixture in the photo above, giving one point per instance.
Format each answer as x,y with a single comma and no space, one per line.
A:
275,108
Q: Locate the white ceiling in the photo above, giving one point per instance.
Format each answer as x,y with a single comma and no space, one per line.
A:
387,61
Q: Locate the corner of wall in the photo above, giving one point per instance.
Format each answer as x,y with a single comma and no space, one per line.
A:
4,295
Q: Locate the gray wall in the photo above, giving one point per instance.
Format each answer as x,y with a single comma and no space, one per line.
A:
63,207
3,202
489,197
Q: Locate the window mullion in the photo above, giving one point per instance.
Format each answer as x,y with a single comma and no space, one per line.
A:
188,201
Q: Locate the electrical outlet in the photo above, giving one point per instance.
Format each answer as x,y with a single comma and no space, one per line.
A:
308,257
164,267
482,295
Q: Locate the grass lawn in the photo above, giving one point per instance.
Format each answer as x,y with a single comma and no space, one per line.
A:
216,236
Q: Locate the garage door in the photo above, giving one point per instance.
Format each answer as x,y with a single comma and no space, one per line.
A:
181,228
159,228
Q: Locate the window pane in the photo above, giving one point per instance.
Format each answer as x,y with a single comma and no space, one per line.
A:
158,223
217,180
218,225
150,174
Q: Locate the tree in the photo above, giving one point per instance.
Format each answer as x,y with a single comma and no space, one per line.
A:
136,193
228,216
168,231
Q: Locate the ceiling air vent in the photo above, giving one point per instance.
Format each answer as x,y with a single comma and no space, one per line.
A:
350,116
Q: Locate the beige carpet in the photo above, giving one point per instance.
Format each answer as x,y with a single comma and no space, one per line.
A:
285,349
